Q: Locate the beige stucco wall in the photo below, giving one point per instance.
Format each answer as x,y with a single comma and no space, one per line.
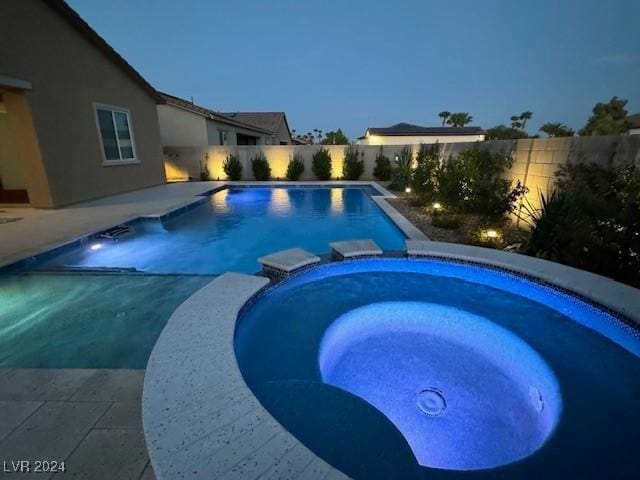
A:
68,75
404,140
10,167
181,128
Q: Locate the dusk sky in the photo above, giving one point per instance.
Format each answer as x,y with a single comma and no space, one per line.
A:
355,64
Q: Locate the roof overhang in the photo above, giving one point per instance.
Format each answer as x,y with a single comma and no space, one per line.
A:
14,83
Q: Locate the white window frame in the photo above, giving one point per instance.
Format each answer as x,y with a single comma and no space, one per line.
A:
112,109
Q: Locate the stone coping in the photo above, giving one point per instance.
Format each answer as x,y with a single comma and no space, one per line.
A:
615,296
356,248
200,418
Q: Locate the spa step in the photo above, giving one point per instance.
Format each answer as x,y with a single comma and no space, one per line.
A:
286,262
355,248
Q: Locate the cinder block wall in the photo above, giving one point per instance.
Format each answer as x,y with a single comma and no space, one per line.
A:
535,160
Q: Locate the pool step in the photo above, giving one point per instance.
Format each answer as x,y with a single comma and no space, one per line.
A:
286,262
355,249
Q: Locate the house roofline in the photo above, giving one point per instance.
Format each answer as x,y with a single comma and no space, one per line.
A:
76,21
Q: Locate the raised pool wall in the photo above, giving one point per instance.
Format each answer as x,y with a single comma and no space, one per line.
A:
535,160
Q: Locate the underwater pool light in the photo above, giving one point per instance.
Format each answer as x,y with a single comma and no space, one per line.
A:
96,246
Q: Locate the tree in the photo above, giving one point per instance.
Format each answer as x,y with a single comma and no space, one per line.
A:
459,119
444,116
608,119
335,138
524,116
502,132
557,130
518,122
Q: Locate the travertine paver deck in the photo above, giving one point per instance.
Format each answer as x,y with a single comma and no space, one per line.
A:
286,262
356,248
201,420
90,419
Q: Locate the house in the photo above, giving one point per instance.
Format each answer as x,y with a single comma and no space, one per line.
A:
185,124
276,122
76,120
635,124
407,134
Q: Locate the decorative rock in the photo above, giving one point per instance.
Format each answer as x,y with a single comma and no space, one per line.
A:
356,248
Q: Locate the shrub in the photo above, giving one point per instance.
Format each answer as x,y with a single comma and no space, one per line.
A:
353,165
232,167
402,169
473,183
321,164
591,221
295,168
204,172
260,167
382,170
423,180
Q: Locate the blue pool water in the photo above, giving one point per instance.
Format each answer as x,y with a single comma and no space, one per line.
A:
109,312
430,369
236,226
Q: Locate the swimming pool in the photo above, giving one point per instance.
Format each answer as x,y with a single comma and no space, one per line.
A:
102,304
429,368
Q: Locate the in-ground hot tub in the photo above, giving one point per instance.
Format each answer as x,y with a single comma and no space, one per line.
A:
400,368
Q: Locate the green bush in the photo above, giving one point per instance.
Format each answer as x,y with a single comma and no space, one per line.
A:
402,171
321,164
232,167
204,172
260,167
591,221
353,165
382,169
423,180
295,168
473,183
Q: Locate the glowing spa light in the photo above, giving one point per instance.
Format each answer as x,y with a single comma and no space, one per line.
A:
492,234
96,246
407,190
437,206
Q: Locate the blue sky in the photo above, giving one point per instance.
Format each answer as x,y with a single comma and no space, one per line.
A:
354,64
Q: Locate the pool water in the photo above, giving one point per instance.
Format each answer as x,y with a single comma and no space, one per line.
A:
426,369
110,310
236,226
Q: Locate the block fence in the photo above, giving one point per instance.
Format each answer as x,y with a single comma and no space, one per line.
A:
535,160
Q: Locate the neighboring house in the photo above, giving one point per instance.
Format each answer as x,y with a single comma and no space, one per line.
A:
275,122
635,124
185,124
406,134
76,120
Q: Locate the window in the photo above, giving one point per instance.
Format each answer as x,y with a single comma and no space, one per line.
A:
223,137
116,135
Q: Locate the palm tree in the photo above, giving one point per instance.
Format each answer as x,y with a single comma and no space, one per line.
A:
516,124
557,130
524,116
444,116
459,119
